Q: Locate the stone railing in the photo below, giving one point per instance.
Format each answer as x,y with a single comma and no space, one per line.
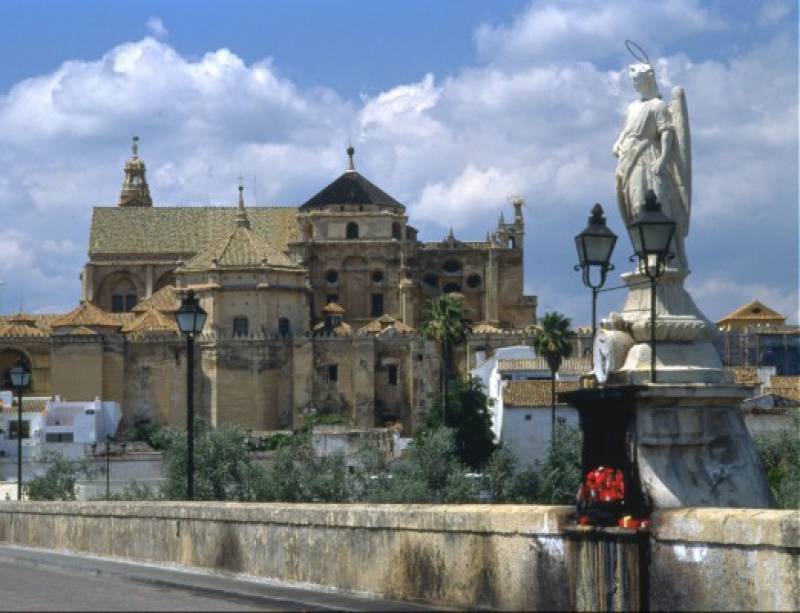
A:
500,556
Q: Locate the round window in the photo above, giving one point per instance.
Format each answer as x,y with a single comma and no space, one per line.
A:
377,276
474,281
331,276
452,266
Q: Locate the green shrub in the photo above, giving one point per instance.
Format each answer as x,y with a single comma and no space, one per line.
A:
146,432
560,475
505,481
58,482
780,456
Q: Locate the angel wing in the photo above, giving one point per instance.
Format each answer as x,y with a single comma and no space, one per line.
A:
683,151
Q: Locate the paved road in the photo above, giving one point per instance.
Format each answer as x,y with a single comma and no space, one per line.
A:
36,580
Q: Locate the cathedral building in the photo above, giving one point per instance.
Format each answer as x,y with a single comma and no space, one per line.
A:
310,309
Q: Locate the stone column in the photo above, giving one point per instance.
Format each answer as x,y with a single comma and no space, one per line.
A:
148,281
88,283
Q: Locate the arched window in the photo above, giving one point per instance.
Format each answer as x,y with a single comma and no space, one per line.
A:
240,326
331,276
284,326
123,297
397,230
377,276
308,231
352,230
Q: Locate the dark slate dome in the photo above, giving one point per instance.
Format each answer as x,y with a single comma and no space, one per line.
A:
351,188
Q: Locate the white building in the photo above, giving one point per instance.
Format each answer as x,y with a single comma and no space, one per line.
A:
51,423
520,363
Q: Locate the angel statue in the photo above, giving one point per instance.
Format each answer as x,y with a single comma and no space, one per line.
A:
654,152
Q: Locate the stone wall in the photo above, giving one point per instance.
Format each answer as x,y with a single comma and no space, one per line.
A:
507,557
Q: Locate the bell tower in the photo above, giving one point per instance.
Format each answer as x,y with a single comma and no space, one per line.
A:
135,191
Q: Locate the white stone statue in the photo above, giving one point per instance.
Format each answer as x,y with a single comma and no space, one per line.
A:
654,152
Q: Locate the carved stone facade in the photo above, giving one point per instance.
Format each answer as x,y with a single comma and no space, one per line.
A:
310,309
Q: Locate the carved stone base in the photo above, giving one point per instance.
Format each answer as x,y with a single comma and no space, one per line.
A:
693,449
684,349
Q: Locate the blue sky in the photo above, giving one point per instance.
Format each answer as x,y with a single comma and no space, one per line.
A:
452,107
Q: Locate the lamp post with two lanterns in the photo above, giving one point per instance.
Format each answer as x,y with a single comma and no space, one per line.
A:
20,380
191,318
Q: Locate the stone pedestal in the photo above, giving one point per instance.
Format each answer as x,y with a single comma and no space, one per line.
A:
692,448
685,441
684,336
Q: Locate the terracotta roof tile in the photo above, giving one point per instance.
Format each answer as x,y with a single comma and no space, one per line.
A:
87,314
533,393
22,325
164,300
570,366
183,231
152,320
383,323
241,247
333,309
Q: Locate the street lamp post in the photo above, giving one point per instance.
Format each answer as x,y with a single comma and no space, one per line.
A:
20,380
191,318
651,233
594,246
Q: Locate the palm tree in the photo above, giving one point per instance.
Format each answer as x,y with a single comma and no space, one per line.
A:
554,344
443,321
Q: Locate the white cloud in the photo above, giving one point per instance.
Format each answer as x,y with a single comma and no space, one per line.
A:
156,27
536,117
573,29
773,11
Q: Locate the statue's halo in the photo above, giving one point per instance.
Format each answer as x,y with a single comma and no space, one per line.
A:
637,52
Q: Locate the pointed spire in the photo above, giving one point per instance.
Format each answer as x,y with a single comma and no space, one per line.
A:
502,218
241,214
351,167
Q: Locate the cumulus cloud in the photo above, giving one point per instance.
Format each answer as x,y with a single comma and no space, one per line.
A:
535,116
573,30
156,27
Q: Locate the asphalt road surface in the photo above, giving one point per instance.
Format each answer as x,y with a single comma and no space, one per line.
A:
36,580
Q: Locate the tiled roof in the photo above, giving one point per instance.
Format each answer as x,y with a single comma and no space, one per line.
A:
240,248
384,322
753,310
786,386
87,314
333,309
533,393
351,188
152,320
484,328
342,329
164,300
21,325
183,230
745,375
570,366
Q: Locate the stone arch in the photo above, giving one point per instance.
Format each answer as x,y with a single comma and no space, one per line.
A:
120,283
351,231
8,358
